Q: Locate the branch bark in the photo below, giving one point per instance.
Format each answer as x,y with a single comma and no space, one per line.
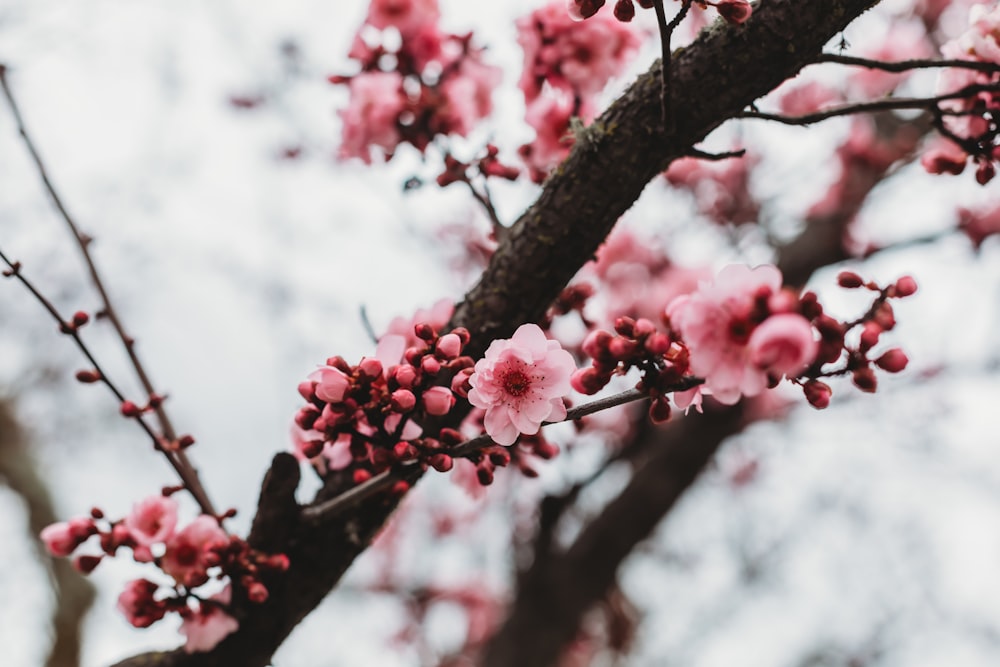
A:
726,69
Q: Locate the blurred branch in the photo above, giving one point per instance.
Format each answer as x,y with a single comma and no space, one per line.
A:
72,593
907,65
83,241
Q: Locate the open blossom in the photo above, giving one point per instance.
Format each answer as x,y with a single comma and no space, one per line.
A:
152,520
138,605
371,119
208,626
406,16
520,383
190,552
732,342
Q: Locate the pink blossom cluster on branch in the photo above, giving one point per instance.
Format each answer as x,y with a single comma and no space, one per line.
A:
432,83
200,553
970,125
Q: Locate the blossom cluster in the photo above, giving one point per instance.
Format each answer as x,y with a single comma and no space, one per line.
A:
415,81
192,557
368,416
971,128
566,65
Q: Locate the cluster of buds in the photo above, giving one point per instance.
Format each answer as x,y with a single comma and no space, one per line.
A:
375,407
192,557
733,11
855,359
456,171
662,362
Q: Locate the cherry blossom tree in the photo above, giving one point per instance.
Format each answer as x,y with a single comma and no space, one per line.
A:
570,302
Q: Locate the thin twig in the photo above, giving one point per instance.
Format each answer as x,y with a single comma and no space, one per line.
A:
906,65
338,504
70,330
192,481
499,229
666,32
888,104
716,157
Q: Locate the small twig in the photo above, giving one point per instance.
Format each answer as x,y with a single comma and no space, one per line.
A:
367,324
906,65
888,104
666,32
484,198
69,329
716,157
353,496
83,242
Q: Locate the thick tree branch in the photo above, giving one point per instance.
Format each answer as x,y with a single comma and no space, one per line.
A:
726,69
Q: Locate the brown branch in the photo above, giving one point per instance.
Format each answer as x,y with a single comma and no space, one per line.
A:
553,597
605,173
888,104
191,479
907,65
73,594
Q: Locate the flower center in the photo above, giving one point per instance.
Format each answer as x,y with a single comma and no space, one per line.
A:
516,382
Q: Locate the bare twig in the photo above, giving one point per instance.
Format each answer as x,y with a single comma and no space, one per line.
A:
66,327
907,65
484,198
178,458
888,104
666,32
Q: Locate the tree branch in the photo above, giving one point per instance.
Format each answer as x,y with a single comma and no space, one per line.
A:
605,173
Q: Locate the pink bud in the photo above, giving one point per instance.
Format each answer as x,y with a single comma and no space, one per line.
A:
905,286
587,381
438,401
370,367
441,462
865,380
624,10
129,409
460,383
403,400
86,564
595,345
449,346
257,592
893,361
817,393
307,389
88,376
405,376
869,335
331,384
849,279
659,411
734,11
430,365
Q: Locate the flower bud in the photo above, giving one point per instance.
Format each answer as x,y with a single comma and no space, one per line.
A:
893,361
817,393
449,346
438,401
403,400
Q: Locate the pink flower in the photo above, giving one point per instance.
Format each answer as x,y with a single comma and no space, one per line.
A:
62,538
783,344
152,520
520,383
371,119
404,15
468,96
191,552
331,384
208,626
138,605
718,323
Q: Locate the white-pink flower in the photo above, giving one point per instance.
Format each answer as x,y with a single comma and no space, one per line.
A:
208,626
191,552
520,383
371,119
732,341
152,520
